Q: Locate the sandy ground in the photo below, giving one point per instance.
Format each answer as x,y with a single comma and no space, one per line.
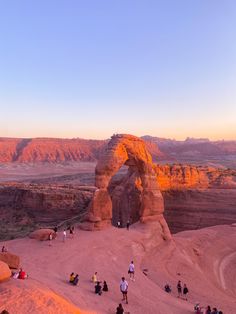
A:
204,259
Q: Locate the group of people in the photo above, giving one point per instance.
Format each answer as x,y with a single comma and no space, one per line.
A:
119,225
74,279
71,230
21,274
98,288
182,291
208,310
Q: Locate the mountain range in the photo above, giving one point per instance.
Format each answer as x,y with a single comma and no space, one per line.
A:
65,150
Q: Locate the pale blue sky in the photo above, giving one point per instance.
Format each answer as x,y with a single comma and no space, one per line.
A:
93,68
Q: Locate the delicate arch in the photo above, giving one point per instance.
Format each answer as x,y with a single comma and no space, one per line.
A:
127,150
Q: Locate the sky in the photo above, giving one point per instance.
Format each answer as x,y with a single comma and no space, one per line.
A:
71,68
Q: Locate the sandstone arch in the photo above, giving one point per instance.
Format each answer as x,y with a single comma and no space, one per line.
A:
127,150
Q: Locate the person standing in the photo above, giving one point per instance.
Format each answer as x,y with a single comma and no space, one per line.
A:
118,224
185,292
128,225
55,230
50,239
64,235
179,289
124,289
94,277
131,270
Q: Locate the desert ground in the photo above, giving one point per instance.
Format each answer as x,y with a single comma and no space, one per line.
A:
203,259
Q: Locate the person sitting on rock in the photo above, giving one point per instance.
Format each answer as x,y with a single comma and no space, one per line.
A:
197,309
119,309
22,274
72,277
76,280
98,288
105,286
214,311
208,310
167,288
4,249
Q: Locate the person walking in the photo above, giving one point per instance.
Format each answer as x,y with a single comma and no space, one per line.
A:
124,289
179,289
131,270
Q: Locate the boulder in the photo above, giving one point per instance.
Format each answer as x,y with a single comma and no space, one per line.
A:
42,234
5,272
12,260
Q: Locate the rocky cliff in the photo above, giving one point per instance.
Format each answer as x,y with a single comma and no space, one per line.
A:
25,206
179,176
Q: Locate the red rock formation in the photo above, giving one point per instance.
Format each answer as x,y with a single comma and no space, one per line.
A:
12,260
131,151
8,149
180,176
42,234
5,272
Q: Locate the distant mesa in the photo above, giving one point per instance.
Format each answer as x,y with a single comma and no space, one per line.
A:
57,150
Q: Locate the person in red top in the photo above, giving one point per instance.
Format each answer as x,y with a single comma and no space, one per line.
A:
22,274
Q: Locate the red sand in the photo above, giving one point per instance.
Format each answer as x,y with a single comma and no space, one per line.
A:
205,260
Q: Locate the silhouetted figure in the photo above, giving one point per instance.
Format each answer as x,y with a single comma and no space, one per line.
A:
76,280
128,225
185,291
208,310
119,309
179,289
98,288
4,249
167,288
118,224
214,311
55,229
105,286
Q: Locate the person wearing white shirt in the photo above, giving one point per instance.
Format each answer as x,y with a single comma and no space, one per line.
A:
131,270
124,289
